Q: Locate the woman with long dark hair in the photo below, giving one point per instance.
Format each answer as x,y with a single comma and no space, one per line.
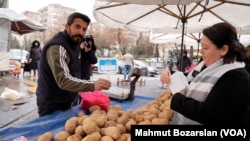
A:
219,93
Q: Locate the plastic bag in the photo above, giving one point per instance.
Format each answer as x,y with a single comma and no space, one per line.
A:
178,82
94,98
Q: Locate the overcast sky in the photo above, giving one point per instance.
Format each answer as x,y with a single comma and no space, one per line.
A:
83,6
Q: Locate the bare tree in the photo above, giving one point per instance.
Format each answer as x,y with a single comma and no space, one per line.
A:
145,48
126,40
14,42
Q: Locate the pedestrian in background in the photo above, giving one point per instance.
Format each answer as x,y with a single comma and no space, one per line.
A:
186,61
171,65
88,57
59,80
219,89
35,55
128,60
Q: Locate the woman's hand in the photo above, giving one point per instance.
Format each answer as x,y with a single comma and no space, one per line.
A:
83,47
165,77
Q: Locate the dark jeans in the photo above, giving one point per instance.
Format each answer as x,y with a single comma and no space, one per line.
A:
127,69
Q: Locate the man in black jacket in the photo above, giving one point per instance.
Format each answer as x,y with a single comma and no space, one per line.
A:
59,72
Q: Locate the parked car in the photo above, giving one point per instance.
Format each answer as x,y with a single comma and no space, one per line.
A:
150,70
120,67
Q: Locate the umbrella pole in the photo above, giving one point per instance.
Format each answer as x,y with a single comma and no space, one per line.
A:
183,20
198,41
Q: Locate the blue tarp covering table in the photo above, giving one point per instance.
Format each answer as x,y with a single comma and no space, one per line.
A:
55,122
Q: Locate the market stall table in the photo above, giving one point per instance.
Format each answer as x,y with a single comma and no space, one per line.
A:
55,122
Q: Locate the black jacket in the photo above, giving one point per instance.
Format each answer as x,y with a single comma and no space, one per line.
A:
186,63
58,93
227,103
87,59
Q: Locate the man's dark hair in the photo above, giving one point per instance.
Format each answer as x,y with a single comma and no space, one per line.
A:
185,51
75,15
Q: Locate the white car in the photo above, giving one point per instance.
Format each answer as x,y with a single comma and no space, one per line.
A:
150,70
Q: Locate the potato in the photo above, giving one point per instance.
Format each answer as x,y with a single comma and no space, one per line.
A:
79,130
130,113
166,114
121,127
93,108
109,123
145,122
46,137
160,121
117,106
102,131
113,114
96,136
106,138
129,123
71,125
113,131
89,127
62,136
139,118
100,120
81,118
98,112
73,138
81,114
149,117
122,138
154,110
123,119
78,136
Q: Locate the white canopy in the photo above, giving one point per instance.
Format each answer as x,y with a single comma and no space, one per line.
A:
19,23
148,2
168,18
190,39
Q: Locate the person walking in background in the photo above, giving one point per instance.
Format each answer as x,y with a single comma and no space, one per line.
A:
88,57
186,61
171,65
35,54
128,60
59,80
219,92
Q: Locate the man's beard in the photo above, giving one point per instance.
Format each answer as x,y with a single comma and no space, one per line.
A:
77,39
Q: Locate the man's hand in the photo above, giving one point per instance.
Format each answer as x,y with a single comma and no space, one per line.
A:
102,84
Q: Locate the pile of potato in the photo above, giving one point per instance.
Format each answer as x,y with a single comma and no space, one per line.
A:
113,124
